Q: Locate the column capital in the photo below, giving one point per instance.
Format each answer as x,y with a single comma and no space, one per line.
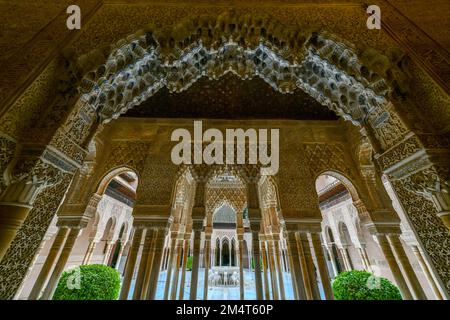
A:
197,225
151,222
304,225
198,213
383,222
255,225
73,222
208,232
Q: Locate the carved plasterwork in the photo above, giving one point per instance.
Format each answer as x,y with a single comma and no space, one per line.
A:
322,157
7,150
236,198
434,236
20,254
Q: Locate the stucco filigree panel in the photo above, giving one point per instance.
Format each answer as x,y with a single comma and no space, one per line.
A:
435,237
15,263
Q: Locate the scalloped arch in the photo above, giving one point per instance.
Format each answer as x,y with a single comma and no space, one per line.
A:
328,69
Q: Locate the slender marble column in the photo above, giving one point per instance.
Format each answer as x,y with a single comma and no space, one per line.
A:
108,252
183,267
195,264
89,252
172,257
157,252
399,251
291,271
365,259
207,255
273,274
48,264
265,270
131,264
173,293
344,253
322,266
333,262
309,266
120,256
142,270
395,269
279,268
61,263
296,272
303,267
163,264
149,266
426,270
257,264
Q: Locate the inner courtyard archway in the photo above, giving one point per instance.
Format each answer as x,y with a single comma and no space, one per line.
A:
94,105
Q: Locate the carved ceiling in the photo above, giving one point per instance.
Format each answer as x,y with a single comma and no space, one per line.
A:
232,98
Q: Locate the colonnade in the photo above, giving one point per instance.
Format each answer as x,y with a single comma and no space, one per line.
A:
270,233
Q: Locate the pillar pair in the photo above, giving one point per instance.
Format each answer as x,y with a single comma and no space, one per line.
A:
173,266
303,242
55,263
274,265
396,257
149,265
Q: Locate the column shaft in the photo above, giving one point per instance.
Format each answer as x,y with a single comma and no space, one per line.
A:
347,264
309,266
265,270
172,257
410,274
48,264
273,275
279,269
207,255
89,252
322,266
395,269
195,265
257,263
61,263
131,264
333,262
296,272
157,252
142,270
365,259
120,255
427,272
176,269
183,268
106,257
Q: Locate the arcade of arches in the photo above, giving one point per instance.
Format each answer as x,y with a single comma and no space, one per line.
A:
85,136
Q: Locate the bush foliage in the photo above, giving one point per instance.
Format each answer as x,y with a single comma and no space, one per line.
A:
362,285
88,282
189,263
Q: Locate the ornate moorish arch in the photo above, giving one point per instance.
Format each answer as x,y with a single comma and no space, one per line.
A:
384,127
122,76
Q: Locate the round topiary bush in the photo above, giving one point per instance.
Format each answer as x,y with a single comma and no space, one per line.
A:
362,285
88,282
189,263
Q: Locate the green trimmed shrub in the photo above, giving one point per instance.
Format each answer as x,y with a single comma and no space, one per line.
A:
189,263
362,285
88,282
